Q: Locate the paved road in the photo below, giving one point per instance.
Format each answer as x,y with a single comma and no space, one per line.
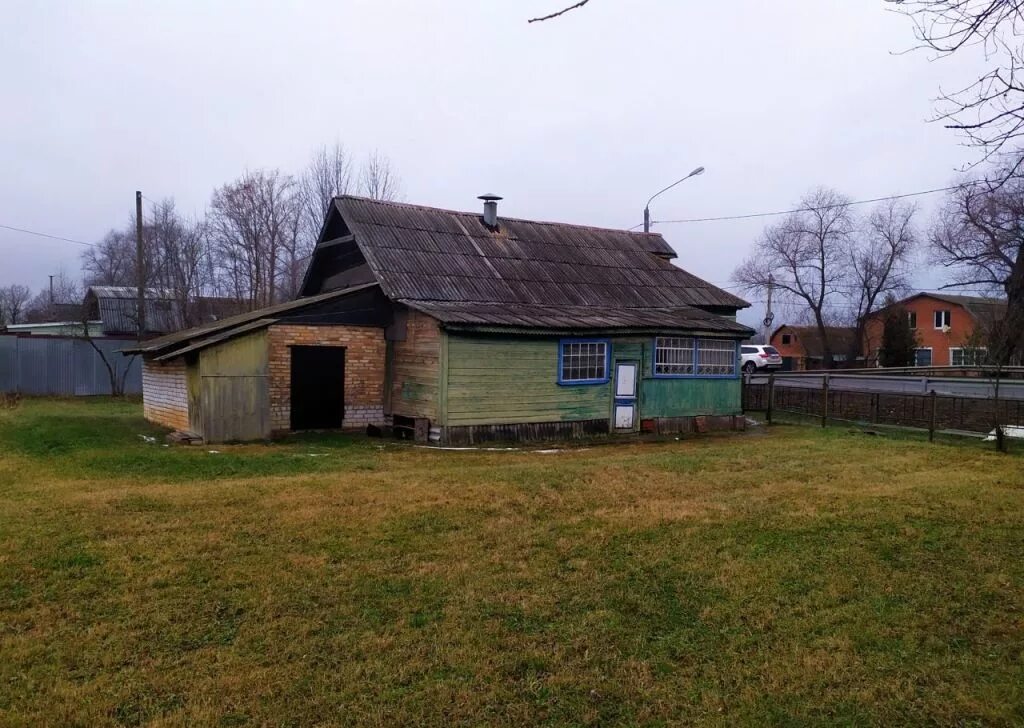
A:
960,387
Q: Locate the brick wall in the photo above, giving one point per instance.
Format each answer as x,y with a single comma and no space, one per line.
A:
165,393
928,337
364,370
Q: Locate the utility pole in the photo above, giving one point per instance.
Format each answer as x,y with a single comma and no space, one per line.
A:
769,315
51,291
140,272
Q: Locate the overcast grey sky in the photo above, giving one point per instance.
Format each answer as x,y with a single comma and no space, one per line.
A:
576,120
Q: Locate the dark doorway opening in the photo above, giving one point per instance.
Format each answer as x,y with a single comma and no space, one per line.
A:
318,387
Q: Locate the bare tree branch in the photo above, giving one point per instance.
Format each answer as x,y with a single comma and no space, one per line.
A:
989,112
563,11
979,236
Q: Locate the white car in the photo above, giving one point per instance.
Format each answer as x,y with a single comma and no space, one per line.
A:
759,357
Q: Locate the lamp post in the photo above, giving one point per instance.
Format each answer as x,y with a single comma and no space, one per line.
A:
647,207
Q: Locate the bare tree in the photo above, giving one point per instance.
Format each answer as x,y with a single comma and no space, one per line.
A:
879,263
251,224
64,291
111,262
13,301
378,178
328,175
804,258
990,110
979,237
177,260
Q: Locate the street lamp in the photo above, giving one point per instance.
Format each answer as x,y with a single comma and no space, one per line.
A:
647,207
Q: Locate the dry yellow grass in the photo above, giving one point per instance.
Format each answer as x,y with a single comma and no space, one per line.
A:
790,577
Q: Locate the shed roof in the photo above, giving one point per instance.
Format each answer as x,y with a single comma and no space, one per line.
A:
427,254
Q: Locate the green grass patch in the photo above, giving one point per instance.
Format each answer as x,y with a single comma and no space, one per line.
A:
795,576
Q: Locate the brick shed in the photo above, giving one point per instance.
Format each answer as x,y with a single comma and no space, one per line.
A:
239,379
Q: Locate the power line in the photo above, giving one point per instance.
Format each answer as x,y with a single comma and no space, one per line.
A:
46,235
807,209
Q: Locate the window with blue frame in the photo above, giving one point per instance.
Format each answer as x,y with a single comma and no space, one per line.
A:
583,362
684,356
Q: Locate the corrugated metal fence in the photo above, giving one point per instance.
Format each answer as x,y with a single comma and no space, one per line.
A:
65,366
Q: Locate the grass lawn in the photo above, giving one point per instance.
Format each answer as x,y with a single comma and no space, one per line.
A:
795,576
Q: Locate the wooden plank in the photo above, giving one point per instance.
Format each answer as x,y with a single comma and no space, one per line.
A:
442,375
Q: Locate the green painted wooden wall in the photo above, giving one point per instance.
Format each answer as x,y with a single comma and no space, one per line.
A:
509,380
684,397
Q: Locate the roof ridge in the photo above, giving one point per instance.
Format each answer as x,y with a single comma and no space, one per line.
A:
393,203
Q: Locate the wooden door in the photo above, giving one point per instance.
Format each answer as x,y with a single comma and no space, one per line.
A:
625,415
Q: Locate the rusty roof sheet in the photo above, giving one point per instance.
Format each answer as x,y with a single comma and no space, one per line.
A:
428,254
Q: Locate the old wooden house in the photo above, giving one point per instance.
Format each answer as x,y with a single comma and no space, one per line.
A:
462,328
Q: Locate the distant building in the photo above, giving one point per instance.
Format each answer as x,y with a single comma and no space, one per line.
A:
116,307
945,326
802,348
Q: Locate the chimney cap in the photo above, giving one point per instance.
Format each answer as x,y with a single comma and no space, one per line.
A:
490,197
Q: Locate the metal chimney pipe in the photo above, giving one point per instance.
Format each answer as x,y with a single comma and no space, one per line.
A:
490,209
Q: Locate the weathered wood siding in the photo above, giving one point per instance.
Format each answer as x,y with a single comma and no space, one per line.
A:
511,380
234,389
416,374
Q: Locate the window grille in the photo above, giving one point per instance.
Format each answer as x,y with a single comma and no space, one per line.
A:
673,356
716,357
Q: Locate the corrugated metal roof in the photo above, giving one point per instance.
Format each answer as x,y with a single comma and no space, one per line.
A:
129,292
117,309
428,254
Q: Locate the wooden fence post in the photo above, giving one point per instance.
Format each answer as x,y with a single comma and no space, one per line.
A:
824,400
875,413
771,395
931,419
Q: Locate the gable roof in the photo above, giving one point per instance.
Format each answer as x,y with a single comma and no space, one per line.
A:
982,308
426,254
